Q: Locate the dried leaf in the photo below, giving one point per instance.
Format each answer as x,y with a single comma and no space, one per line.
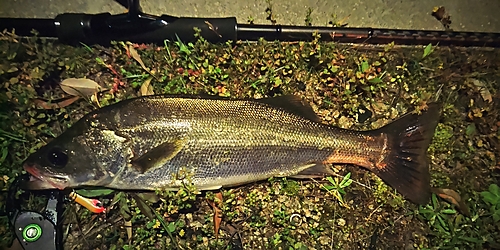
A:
483,90
137,57
236,240
146,88
452,197
94,98
217,213
128,228
55,105
213,28
80,87
439,12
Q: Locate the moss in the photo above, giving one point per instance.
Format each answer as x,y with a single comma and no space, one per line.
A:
442,139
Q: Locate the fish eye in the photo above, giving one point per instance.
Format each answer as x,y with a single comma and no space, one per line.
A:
57,158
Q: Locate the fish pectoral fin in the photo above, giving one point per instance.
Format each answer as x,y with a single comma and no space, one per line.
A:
158,156
292,104
148,196
315,171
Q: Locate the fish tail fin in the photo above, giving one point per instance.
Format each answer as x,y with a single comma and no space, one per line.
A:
405,166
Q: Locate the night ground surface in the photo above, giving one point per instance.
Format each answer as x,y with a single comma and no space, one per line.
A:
466,15
355,87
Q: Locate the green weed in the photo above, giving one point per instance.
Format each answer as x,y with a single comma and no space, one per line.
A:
337,187
492,198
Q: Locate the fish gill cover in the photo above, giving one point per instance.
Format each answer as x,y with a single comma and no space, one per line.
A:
358,88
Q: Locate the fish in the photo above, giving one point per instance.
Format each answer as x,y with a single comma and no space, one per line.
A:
160,141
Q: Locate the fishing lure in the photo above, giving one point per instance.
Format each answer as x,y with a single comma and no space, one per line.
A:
93,205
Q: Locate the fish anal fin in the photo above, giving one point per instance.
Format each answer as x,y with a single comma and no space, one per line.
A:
158,156
210,188
293,104
315,171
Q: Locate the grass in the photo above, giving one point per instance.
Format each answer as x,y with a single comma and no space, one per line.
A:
350,211
337,187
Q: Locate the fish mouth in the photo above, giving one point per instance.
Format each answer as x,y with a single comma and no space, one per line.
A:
40,180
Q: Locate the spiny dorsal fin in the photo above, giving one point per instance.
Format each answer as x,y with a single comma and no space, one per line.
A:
158,156
292,104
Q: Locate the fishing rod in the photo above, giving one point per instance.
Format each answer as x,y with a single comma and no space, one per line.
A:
138,27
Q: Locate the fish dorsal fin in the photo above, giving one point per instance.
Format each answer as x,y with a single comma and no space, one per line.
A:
158,156
292,104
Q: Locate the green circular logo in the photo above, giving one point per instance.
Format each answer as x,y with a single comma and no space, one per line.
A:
32,232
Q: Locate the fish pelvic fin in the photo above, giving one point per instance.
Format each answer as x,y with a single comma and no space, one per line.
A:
404,162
